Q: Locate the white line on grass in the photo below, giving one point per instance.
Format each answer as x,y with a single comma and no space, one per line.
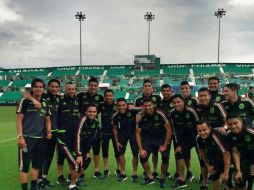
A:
8,140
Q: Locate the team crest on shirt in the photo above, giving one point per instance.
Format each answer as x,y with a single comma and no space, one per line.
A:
44,104
154,99
96,98
187,116
64,103
128,114
234,138
57,99
176,116
114,108
247,138
212,110
217,98
156,118
76,103
241,106
189,102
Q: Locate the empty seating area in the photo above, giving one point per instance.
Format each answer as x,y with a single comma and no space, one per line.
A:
238,69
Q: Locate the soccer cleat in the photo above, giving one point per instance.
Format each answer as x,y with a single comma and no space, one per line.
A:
134,178
144,174
122,177
162,183
61,180
47,183
189,176
156,175
148,181
69,178
203,188
176,176
97,175
73,188
41,185
81,177
168,176
117,172
179,184
106,173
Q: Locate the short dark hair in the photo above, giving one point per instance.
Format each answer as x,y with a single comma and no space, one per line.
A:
177,96
70,82
214,78
185,82
34,81
232,86
120,100
202,121
53,80
234,115
204,89
165,86
91,105
107,91
147,81
93,79
147,99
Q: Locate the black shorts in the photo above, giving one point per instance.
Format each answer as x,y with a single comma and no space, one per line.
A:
123,140
105,145
151,146
33,152
186,150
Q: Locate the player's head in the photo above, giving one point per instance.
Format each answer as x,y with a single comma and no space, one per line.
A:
231,90
147,87
70,89
166,91
109,96
121,105
91,111
185,89
148,105
37,87
178,102
53,86
203,129
204,96
93,85
235,123
213,83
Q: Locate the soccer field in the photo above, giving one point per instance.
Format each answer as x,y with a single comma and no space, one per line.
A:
9,174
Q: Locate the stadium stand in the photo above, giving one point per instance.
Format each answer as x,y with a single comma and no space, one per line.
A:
238,69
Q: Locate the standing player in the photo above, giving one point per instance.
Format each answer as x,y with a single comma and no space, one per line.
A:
124,123
234,104
87,133
241,139
148,92
214,152
108,108
183,121
67,120
213,85
153,135
189,100
85,98
30,138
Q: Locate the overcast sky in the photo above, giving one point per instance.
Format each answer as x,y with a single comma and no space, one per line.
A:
40,33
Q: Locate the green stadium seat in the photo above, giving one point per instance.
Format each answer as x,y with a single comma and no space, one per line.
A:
119,71
4,83
20,83
238,69
62,73
91,72
11,96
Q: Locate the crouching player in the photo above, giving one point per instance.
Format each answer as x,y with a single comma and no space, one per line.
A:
214,151
87,133
241,139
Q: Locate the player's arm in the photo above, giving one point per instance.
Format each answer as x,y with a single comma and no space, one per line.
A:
168,135
223,115
236,159
48,127
21,140
115,133
226,160
28,96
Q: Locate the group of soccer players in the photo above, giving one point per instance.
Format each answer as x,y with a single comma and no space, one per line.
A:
218,125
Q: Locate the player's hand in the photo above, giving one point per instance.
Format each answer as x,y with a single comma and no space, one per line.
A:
37,104
222,130
142,153
130,106
22,142
210,169
178,149
87,156
119,146
238,177
162,148
224,176
138,118
79,160
49,135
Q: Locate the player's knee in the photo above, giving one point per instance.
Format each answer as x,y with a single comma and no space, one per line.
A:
179,155
86,163
143,160
165,160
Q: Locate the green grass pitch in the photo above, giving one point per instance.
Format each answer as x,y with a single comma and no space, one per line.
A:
9,174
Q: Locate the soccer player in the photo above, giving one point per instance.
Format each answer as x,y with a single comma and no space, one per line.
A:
124,123
148,92
166,106
153,135
213,85
241,138
214,152
108,108
250,93
189,100
87,133
67,120
85,98
183,120
30,138
234,104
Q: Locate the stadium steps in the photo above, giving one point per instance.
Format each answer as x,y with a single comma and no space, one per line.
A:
192,76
